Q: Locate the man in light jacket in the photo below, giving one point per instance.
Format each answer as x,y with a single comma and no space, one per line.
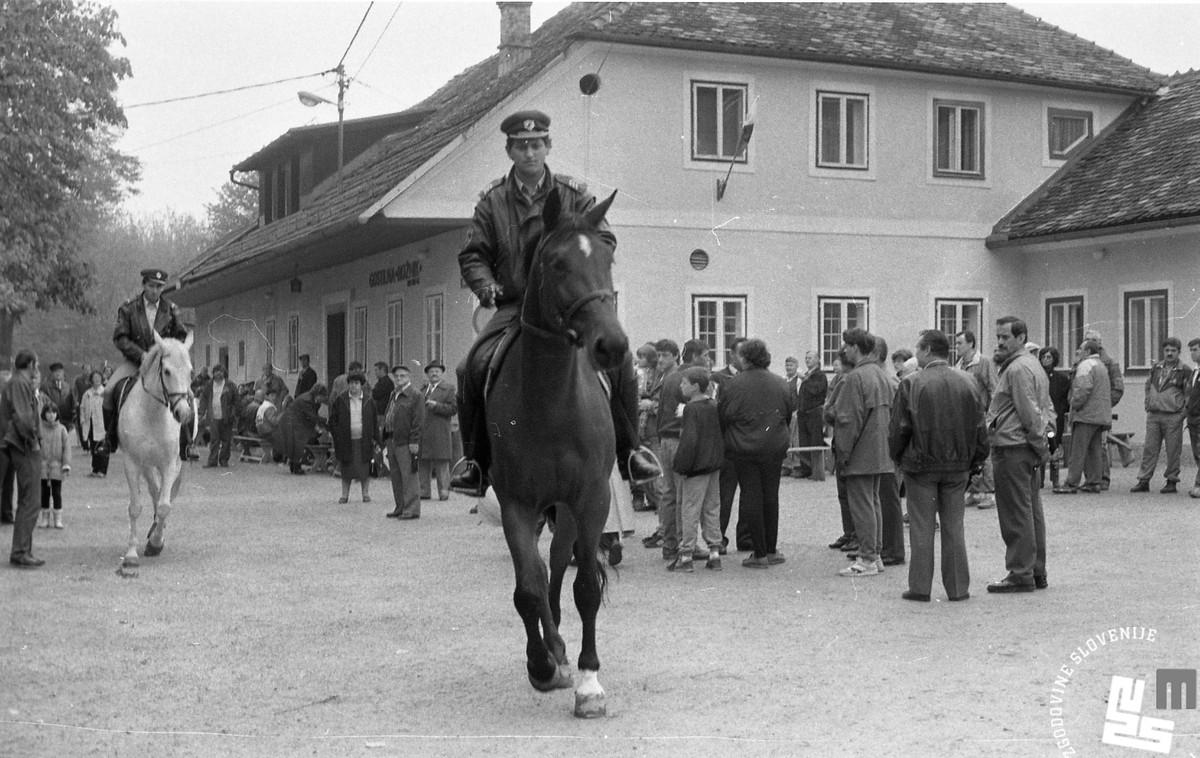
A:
1017,421
1166,397
1091,418
862,414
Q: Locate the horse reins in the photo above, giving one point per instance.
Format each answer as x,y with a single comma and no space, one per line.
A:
168,399
564,317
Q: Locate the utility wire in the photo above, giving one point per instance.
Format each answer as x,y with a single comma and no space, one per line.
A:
356,31
224,91
378,40
215,124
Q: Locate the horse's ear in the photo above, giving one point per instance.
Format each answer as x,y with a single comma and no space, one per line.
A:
158,340
187,341
600,210
552,210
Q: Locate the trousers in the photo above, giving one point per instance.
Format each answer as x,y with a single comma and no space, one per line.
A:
1162,428
1019,509
937,498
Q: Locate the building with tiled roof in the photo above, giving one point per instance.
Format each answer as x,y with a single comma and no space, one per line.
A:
887,141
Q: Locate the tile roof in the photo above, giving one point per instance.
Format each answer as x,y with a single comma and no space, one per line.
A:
965,39
1145,170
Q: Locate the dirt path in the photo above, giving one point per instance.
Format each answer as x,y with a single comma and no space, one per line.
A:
278,623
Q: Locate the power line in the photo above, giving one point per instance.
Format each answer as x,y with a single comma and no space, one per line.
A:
378,40
356,31
210,126
224,91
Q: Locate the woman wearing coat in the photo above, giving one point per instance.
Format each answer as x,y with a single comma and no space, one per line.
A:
91,423
754,408
352,424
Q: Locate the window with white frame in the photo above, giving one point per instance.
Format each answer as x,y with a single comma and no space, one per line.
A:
837,314
1145,327
293,342
959,315
358,338
395,332
433,327
1066,130
958,139
717,320
1064,326
718,112
842,130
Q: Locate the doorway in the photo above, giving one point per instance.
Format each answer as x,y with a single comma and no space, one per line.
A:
335,344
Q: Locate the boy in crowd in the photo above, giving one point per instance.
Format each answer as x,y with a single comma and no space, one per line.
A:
697,471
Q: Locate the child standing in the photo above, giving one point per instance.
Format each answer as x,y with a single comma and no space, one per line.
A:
697,471
56,464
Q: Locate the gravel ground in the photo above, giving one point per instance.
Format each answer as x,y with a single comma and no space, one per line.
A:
277,623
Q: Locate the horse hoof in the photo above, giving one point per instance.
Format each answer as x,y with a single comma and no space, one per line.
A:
560,680
129,561
590,706
151,550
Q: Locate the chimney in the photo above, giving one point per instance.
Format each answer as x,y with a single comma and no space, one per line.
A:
514,35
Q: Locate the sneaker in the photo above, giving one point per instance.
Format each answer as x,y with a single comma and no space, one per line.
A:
653,541
681,565
985,501
879,565
1169,489
775,558
713,563
1194,491
1142,486
756,563
859,569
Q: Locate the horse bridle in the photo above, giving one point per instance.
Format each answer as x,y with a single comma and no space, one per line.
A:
167,399
564,316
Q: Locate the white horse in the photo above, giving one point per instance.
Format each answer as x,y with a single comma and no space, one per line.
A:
157,406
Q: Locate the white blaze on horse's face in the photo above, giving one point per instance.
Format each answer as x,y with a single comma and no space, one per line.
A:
585,245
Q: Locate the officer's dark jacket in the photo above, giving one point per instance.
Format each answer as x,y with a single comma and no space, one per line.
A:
132,334
505,222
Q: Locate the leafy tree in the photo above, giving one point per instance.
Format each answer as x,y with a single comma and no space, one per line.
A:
61,170
114,251
235,209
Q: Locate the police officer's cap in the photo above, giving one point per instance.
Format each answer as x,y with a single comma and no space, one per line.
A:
154,275
526,125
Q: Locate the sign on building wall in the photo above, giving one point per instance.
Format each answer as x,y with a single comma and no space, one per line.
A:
408,272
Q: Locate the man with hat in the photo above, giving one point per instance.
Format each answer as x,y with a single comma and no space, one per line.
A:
508,219
137,320
436,449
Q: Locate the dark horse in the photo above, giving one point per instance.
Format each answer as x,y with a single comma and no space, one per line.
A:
551,432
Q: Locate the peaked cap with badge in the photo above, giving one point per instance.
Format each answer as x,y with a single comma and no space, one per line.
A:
526,125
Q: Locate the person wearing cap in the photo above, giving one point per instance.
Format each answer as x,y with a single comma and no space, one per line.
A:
436,449
506,222
137,321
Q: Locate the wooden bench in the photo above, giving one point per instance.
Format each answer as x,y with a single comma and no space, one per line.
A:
247,445
818,472
320,454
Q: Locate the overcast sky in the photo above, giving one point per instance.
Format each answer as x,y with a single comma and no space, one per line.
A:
403,53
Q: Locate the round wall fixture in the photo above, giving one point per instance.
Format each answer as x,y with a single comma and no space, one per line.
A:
589,84
698,259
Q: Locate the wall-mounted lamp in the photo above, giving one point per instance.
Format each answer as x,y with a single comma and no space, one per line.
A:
296,284
743,143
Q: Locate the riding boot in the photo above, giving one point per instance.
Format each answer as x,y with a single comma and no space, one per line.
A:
643,466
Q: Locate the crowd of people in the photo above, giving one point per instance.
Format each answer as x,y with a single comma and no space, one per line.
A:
981,432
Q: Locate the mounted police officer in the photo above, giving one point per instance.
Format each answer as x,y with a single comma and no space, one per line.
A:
137,320
508,219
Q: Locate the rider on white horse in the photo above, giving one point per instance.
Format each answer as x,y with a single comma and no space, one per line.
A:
137,320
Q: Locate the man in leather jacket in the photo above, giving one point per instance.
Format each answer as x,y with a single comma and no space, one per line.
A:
508,217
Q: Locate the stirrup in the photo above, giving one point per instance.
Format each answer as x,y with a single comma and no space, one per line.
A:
653,457
467,465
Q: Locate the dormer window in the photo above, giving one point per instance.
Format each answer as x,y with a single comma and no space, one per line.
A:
279,190
1066,130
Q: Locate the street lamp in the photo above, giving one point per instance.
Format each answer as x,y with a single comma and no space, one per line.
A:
311,100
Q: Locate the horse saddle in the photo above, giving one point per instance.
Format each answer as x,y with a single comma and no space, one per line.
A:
503,346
